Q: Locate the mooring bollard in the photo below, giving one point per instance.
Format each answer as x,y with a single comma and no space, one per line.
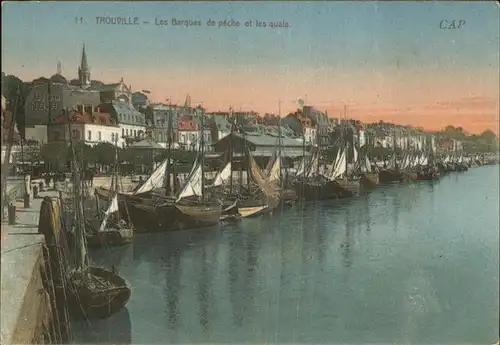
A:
11,210
26,198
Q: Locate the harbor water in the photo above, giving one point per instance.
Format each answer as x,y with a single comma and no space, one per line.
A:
416,262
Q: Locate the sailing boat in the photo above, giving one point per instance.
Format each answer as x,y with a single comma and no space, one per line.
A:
391,172
114,229
274,169
200,212
93,292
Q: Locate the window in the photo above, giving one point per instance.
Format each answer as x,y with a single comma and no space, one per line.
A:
135,133
112,137
99,136
89,135
123,132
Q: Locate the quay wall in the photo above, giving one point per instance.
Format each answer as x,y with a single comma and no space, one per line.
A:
28,297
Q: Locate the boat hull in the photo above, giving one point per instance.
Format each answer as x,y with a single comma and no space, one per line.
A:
410,176
369,179
97,294
111,237
198,215
153,218
347,188
387,176
252,211
316,190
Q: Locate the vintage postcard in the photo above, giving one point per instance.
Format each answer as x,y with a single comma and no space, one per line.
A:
250,172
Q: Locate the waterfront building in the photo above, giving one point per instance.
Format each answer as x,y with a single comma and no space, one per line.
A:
48,97
132,123
140,100
324,125
188,132
87,126
219,127
261,145
302,125
157,116
115,92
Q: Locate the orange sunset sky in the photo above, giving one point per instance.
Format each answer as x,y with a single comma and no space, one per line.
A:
390,61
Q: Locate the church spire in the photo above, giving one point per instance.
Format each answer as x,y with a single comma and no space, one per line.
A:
84,66
83,70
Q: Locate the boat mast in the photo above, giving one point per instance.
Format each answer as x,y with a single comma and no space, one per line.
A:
280,143
168,166
230,158
81,245
345,141
202,158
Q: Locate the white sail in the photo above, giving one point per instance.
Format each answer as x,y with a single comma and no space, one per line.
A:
341,168
155,180
275,172
194,184
424,161
302,166
314,165
355,155
368,165
223,176
113,207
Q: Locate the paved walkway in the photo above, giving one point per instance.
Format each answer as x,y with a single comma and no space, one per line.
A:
21,248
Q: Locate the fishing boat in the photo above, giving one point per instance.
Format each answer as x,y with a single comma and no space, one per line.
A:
310,183
113,229
93,292
200,211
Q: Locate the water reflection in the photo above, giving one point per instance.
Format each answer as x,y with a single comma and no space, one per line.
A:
117,329
324,272
173,274
348,240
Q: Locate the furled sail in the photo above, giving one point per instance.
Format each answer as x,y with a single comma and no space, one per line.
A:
269,188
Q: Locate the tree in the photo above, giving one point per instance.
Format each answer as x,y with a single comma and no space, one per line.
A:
55,155
15,92
83,153
488,136
104,153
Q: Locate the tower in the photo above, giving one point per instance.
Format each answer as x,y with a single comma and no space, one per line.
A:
83,70
59,67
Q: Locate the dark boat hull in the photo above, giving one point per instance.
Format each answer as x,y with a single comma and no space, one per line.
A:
410,176
148,217
347,188
369,179
428,175
387,176
316,190
102,295
111,237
